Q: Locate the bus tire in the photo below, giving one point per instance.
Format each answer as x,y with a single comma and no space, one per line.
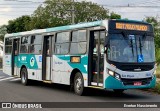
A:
78,84
118,91
24,76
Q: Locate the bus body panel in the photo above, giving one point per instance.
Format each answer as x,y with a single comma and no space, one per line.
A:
62,68
129,76
33,63
7,64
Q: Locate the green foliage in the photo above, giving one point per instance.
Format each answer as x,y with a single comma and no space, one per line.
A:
3,31
156,26
18,25
88,11
58,12
157,55
115,16
52,14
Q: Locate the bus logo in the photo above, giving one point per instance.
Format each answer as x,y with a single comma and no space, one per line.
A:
6,105
23,58
32,61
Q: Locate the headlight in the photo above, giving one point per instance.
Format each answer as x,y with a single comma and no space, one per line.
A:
110,72
117,76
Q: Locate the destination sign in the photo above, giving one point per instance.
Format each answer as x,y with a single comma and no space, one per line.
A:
131,26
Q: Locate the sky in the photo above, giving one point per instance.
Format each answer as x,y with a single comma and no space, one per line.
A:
131,9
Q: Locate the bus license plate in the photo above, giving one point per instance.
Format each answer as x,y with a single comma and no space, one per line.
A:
137,83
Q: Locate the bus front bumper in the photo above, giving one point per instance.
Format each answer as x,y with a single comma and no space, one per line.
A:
113,83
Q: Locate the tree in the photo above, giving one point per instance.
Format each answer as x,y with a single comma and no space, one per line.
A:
3,31
156,25
18,25
88,11
58,12
115,16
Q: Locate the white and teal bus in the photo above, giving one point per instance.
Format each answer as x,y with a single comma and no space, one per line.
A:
107,54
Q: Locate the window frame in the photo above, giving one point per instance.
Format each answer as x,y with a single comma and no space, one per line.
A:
36,44
55,43
28,44
10,45
79,41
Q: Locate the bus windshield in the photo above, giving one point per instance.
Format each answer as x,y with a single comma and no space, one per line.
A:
131,48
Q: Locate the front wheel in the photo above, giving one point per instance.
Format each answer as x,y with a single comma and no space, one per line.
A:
78,84
24,76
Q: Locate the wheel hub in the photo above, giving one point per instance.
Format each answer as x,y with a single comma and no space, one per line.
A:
78,84
23,77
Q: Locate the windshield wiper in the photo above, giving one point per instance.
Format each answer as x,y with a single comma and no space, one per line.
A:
140,46
132,47
124,36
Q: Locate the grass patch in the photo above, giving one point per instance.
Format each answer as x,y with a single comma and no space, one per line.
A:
157,88
158,75
158,71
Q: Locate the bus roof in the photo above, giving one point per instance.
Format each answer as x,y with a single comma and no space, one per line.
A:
136,21
68,27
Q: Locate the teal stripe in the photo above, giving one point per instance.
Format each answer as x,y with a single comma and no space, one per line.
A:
29,60
112,83
80,66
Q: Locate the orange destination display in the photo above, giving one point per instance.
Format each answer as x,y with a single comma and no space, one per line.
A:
129,26
75,59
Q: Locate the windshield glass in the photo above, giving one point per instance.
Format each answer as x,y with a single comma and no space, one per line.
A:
130,48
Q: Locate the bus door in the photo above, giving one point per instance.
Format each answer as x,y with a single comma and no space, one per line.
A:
15,53
47,58
96,58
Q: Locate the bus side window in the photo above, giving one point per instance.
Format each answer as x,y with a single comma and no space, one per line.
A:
57,49
78,42
25,43
24,49
16,47
32,50
36,44
62,43
8,46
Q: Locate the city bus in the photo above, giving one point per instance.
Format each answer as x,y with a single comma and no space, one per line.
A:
105,54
